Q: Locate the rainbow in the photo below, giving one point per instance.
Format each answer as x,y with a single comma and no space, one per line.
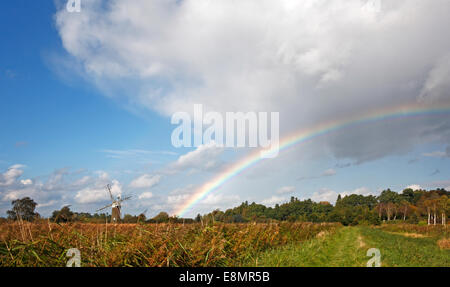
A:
304,135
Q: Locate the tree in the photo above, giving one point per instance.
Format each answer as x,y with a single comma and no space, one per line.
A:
162,217
23,209
217,215
141,217
63,215
425,207
128,218
405,207
429,203
444,206
389,200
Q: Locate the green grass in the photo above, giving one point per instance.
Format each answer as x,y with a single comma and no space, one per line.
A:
399,250
347,247
338,249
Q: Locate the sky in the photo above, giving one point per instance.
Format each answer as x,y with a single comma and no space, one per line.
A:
86,99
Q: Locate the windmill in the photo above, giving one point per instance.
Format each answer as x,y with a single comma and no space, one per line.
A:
116,205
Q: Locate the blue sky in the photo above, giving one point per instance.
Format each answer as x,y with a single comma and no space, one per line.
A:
86,99
61,121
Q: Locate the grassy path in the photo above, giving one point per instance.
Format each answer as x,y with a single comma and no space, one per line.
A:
343,248
404,251
347,247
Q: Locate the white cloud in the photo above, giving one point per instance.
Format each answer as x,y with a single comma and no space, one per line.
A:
11,175
437,184
56,180
145,181
82,181
14,194
98,192
61,187
414,187
26,181
145,195
91,195
286,190
46,204
179,196
274,200
216,200
329,195
310,57
177,199
324,194
360,191
204,157
183,190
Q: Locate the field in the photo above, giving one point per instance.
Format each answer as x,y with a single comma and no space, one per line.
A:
219,244
399,245
46,244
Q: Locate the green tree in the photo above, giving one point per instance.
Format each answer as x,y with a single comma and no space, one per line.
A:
141,217
63,215
444,208
128,218
162,217
23,209
389,200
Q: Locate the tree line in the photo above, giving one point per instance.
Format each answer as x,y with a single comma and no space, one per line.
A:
412,206
24,210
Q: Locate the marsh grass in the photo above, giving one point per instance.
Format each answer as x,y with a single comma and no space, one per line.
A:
45,244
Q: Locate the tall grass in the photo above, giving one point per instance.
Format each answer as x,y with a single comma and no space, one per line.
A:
427,230
46,244
407,251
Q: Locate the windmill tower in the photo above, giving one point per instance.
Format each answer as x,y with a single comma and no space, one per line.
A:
116,205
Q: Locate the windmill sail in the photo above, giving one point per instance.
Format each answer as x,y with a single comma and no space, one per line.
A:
126,198
110,193
109,205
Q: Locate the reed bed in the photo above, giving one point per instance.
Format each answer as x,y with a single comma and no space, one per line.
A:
147,245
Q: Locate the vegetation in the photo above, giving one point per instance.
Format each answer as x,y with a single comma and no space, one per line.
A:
347,247
23,209
419,206
339,248
404,250
45,244
296,233
410,206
